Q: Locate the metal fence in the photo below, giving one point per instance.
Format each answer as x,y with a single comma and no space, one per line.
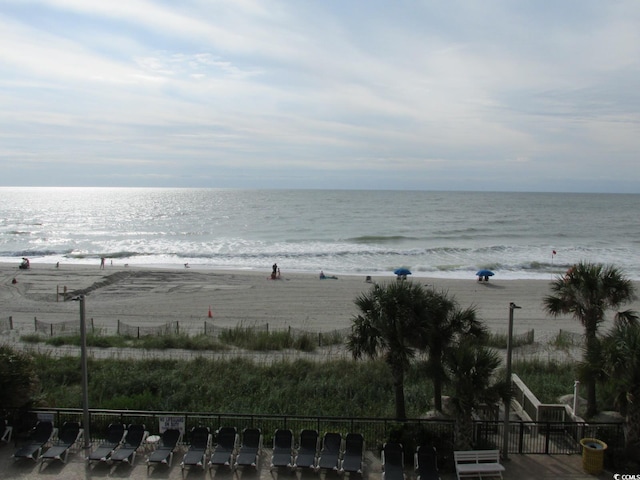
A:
376,430
551,438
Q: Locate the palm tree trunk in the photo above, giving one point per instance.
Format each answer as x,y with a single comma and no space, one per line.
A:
437,394
398,386
463,431
592,407
438,375
592,348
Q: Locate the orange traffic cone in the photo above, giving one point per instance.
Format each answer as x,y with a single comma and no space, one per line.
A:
210,315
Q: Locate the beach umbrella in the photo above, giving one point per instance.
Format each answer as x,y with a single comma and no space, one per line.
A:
484,273
402,271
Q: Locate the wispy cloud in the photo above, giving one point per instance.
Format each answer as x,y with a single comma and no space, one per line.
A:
491,95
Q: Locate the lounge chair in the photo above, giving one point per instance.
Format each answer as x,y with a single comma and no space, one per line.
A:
200,439
282,449
353,455
250,448
392,461
133,440
307,454
114,437
39,436
426,463
70,434
163,454
329,458
226,443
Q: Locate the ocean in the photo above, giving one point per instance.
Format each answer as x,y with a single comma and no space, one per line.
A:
434,234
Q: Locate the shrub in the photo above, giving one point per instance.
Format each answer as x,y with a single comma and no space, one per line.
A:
499,340
548,380
19,381
565,340
31,338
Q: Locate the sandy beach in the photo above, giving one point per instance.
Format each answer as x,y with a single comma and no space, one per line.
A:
153,296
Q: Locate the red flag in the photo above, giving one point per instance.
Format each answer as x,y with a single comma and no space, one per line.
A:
554,252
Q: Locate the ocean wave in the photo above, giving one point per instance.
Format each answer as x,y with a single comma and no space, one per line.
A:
31,253
442,234
380,239
113,255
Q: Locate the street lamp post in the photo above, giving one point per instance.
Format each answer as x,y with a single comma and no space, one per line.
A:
85,374
507,403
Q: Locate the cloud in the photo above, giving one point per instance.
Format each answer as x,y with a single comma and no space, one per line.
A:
421,93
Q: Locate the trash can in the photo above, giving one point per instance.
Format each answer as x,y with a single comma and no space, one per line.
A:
593,455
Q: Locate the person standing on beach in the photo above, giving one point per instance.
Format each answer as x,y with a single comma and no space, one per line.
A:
274,270
101,263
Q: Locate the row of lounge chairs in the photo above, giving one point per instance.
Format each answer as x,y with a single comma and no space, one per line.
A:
332,452
61,442
231,450
121,444
344,455
425,462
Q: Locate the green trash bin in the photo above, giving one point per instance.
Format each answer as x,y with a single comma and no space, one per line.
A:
593,455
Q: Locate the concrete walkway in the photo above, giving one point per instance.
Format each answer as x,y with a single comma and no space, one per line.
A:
519,467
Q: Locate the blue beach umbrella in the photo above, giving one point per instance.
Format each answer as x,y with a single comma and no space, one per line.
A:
402,271
484,273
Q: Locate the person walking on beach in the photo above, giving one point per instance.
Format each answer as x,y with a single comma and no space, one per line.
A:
274,271
101,263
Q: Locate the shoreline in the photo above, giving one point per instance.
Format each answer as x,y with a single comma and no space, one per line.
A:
121,262
154,296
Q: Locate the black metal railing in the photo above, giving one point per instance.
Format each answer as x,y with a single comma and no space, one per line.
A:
552,438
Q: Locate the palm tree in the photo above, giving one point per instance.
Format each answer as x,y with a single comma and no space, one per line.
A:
472,368
621,364
446,325
390,324
586,291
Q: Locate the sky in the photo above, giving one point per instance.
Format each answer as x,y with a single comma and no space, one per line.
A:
497,95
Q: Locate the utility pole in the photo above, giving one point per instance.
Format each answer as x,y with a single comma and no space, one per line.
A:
85,374
507,403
